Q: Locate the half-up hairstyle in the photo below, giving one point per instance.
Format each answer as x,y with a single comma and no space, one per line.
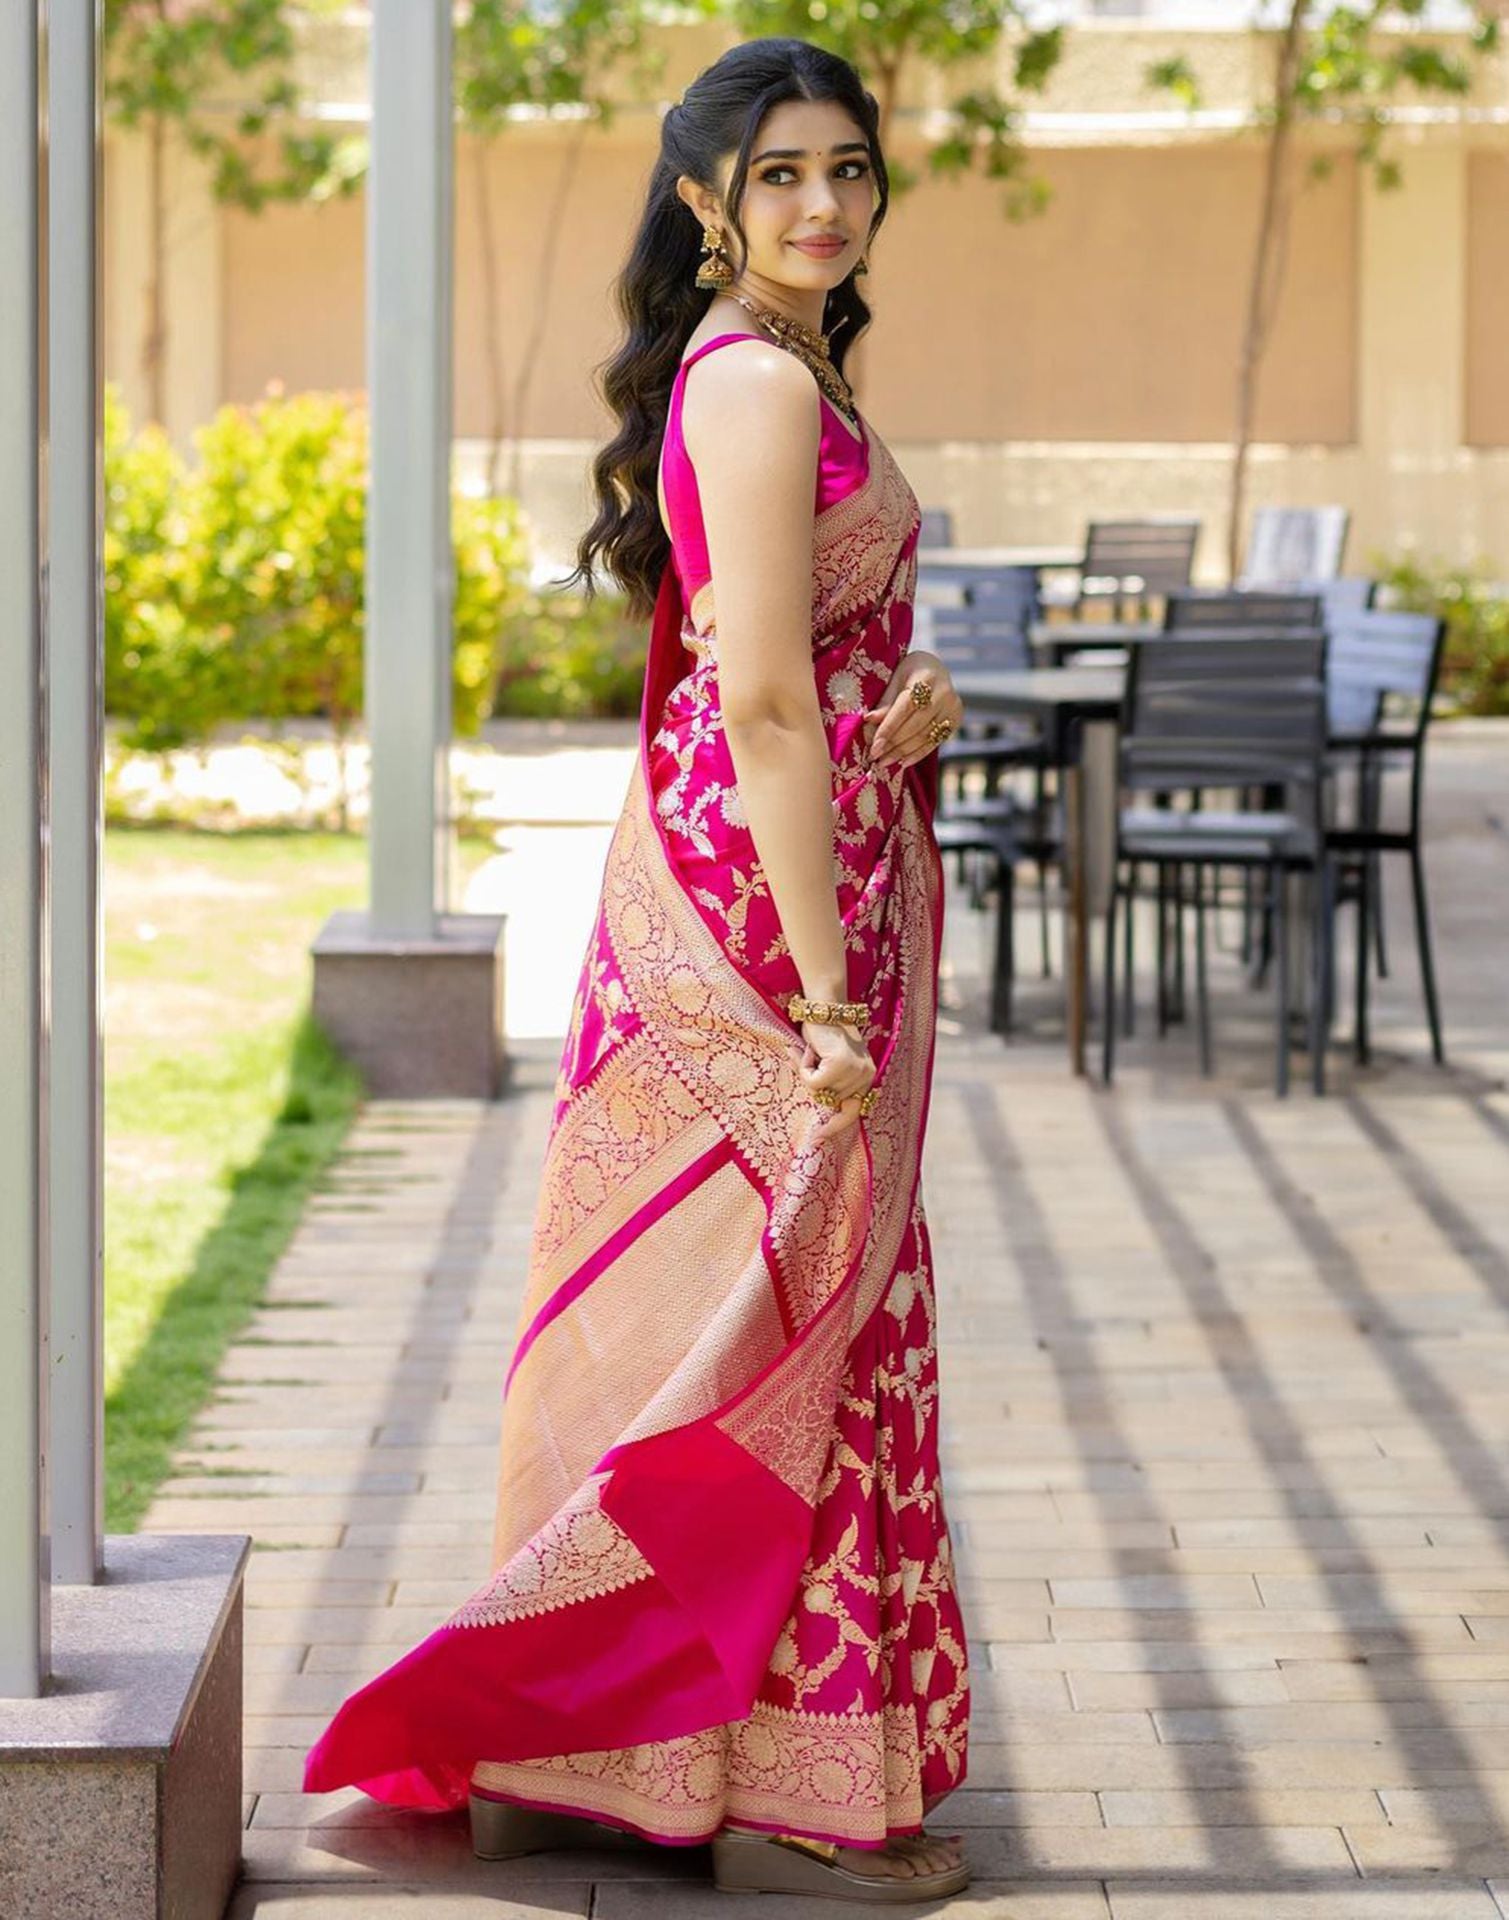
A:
720,114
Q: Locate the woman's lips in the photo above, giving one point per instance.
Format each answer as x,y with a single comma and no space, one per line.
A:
820,249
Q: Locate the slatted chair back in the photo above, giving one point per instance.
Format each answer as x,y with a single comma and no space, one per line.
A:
1349,593
1383,663
1287,545
937,528
1138,559
1243,712
1214,611
1007,591
987,634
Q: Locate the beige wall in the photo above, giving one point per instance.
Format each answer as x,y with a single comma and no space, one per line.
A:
1488,300
291,298
1115,317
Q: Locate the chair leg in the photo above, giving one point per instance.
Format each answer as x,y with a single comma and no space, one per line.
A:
1321,970
1162,949
1427,957
1202,976
1281,956
1370,803
1128,957
1178,891
1360,1017
1042,919
1380,947
1108,1020
1003,976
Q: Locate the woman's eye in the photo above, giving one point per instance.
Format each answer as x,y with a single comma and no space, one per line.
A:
771,178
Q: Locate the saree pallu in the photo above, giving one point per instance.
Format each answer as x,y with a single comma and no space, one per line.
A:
722,1587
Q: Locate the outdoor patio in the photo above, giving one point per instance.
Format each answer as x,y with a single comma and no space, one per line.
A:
1225,1421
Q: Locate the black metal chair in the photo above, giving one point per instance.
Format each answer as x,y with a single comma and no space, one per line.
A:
1214,611
1245,713
1131,563
996,840
993,630
937,528
1381,674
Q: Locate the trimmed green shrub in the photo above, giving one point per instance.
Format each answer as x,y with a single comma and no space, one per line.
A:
1475,664
234,586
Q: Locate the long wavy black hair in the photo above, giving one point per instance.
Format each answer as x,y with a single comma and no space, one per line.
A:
720,114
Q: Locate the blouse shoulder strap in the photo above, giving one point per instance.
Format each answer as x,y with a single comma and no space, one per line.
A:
718,340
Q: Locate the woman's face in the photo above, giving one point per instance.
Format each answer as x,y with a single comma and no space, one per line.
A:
809,181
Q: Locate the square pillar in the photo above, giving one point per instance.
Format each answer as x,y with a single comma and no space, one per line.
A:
411,991
120,1788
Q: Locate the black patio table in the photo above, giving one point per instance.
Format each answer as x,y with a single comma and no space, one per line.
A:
1055,638
1063,700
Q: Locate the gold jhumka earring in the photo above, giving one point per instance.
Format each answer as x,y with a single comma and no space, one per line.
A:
717,270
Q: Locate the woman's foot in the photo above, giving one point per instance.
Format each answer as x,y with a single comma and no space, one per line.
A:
932,1863
908,1855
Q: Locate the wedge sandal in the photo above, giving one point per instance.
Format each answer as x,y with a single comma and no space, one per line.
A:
503,1831
787,1863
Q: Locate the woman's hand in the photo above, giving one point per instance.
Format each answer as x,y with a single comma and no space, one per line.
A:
836,1057
902,732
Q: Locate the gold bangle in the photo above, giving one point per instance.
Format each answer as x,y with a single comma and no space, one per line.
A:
835,1013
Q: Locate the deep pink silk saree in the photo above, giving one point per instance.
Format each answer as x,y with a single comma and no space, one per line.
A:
723,1586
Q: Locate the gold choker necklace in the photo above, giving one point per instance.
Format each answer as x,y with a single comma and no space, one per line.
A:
810,348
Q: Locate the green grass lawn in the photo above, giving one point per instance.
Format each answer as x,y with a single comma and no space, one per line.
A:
223,1105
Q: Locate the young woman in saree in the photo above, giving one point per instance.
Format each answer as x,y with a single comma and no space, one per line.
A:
723,1603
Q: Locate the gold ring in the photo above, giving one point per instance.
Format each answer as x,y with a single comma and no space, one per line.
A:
938,730
922,693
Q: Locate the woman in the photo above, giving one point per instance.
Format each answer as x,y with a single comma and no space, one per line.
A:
723,1604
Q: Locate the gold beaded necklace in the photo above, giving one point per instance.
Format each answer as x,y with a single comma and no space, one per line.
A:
810,348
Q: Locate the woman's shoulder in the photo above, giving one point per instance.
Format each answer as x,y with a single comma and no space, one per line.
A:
752,387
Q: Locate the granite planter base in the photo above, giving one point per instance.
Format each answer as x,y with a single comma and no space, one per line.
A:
421,1018
120,1787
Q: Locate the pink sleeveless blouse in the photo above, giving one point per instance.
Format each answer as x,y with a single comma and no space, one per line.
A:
843,465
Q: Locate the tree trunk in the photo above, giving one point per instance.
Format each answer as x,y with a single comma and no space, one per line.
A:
555,222
154,340
1267,269
492,324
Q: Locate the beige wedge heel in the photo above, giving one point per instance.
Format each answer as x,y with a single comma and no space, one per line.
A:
778,1863
502,1831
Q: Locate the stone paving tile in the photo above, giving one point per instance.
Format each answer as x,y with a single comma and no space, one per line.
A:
1280,1899
1226,1401
413,1902
1227,1806
998,1853
1007,1900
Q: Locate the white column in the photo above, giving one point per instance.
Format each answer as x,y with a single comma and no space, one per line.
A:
409,567
24,1619
75,700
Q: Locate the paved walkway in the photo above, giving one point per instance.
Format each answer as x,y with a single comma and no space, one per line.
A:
1226,1424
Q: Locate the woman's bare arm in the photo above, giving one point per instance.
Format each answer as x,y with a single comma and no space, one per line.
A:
752,430
752,427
